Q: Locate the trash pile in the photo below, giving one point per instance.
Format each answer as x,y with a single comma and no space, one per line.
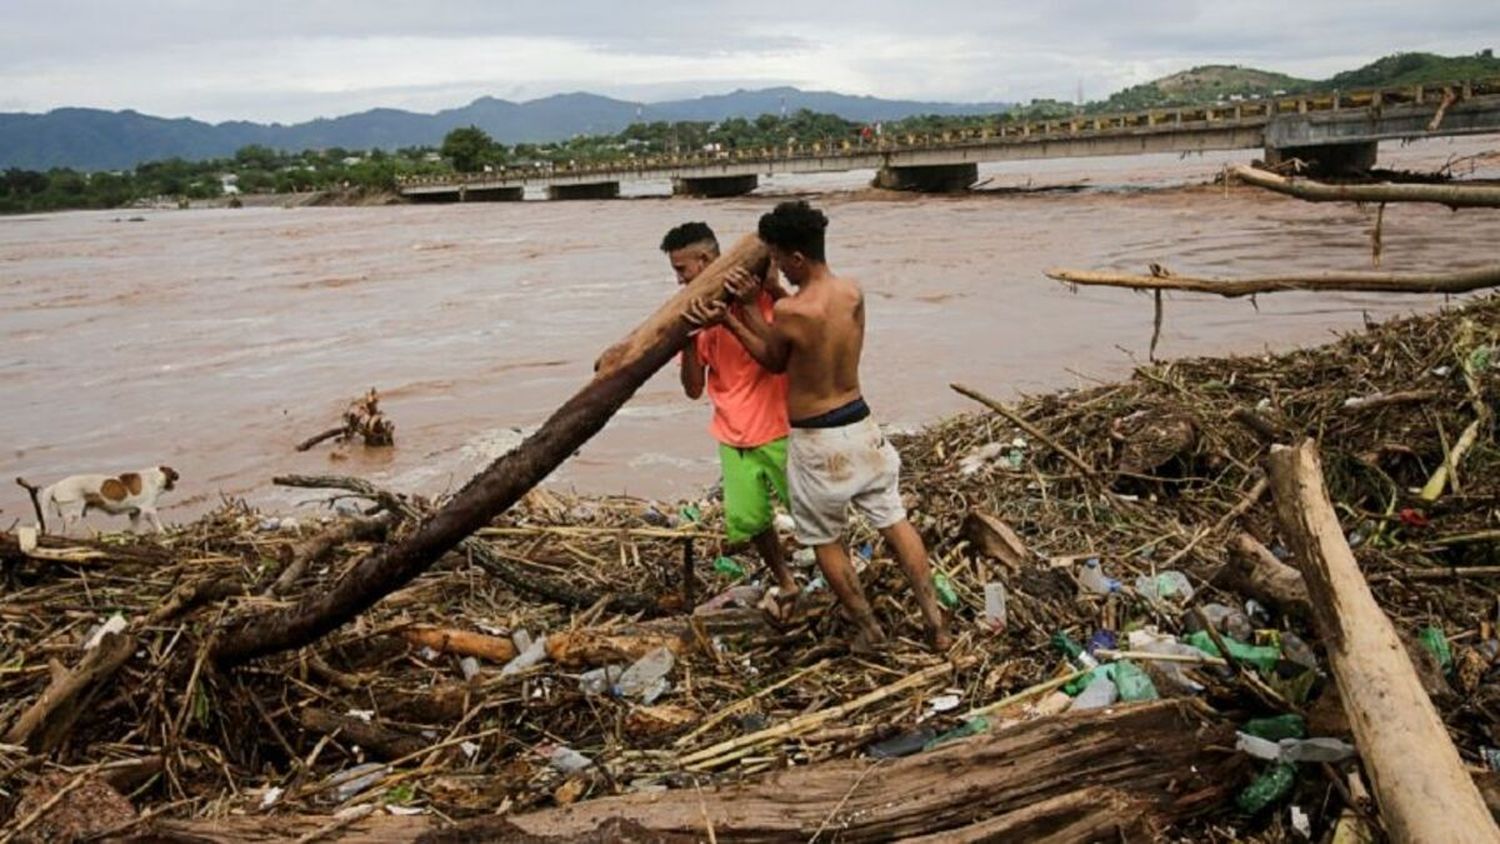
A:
1118,548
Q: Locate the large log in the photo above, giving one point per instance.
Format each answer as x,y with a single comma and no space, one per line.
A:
1082,776
1424,792
495,489
1158,755
1453,196
1365,282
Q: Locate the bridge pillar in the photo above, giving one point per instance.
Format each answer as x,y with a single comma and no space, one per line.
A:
1345,159
714,187
934,178
466,193
592,190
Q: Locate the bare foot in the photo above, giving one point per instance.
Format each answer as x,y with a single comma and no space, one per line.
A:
867,642
941,641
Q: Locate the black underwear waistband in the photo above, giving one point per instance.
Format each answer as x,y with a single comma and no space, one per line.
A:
854,411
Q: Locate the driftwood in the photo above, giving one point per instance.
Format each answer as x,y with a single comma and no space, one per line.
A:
362,419
382,742
1254,570
496,488
1016,419
462,643
1453,196
315,548
49,718
1424,792
992,537
1453,282
1076,777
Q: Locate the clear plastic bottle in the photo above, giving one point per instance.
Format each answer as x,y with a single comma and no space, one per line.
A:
647,675
565,759
533,655
1091,577
994,604
1166,584
1099,694
600,680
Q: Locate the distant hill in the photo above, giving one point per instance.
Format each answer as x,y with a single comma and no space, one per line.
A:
1215,83
92,139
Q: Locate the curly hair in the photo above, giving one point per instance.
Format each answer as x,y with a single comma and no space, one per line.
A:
795,227
690,234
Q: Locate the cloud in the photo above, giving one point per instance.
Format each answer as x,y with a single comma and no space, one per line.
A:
288,61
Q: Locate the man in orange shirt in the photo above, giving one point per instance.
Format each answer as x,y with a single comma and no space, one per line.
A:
750,413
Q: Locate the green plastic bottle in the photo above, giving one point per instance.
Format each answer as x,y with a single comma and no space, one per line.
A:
1274,784
1133,683
1433,639
1073,651
971,727
730,568
1276,728
946,596
1262,657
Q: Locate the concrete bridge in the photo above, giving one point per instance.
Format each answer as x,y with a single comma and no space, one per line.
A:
1333,133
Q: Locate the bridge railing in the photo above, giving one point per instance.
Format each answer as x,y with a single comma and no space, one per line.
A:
1003,131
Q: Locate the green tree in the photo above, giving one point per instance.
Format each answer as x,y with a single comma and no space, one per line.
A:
468,148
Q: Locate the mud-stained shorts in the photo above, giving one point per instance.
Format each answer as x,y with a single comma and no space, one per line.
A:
828,469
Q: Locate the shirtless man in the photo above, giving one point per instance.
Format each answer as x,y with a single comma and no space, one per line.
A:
837,455
749,418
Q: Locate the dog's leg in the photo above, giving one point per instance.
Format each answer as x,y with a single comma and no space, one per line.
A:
135,521
155,522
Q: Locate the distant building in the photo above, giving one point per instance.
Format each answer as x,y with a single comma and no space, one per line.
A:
229,183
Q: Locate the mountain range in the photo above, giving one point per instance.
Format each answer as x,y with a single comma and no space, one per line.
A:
94,139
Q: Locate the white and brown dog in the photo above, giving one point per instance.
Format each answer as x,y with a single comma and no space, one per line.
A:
133,493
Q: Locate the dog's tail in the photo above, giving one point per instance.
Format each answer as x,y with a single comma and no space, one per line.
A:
36,502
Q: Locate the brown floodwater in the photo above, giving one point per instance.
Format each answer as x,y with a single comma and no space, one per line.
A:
213,340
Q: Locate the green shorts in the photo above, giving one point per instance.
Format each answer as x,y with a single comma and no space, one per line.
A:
751,475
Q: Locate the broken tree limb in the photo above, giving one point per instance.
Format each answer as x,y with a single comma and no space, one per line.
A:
383,743
46,722
1254,570
462,643
978,781
1453,196
495,489
1424,792
1029,428
1453,282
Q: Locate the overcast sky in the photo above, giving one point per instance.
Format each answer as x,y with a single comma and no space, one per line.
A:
292,60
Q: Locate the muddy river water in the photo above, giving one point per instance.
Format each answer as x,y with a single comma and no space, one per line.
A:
213,340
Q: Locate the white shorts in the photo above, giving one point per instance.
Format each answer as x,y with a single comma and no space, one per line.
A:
828,469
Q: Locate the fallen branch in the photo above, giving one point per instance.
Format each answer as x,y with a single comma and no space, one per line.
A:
462,643
1453,196
46,722
1423,790
1253,569
383,743
1454,282
1029,428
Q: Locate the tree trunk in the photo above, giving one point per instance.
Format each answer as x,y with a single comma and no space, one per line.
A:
1069,778
495,489
1425,794
1454,282
949,789
1453,196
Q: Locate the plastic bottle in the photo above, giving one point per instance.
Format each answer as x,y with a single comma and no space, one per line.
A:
1166,584
597,681
1075,686
1099,694
1433,639
1263,658
1091,578
729,568
533,655
565,759
646,676
1269,788
946,596
1133,683
1298,651
1073,651
1102,640
1315,750
994,604
521,639
1276,728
